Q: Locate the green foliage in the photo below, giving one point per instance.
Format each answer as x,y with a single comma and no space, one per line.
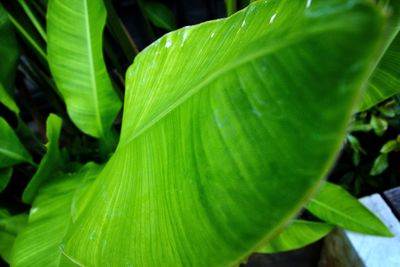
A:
334,205
228,128
74,30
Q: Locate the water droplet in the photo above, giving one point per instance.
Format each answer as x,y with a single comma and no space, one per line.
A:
184,38
308,3
244,23
272,18
34,210
212,34
168,44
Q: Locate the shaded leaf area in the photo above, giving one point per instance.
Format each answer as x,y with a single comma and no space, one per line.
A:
9,54
10,226
74,30
298,234
39,243
51,161
160,15
5,176
385,81
334,205
203,157
11,149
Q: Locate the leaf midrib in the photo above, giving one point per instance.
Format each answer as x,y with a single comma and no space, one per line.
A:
91,66
241,61
356,222
12,154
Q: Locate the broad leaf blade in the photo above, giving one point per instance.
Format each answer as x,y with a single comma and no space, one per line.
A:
228,128
11,149
74,30
51,161
336,206
298,234
39,244
9,54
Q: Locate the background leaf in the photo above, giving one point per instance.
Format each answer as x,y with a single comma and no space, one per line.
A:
5,176
160,15
218,125
298,234
39,244
11,149
336,206
74,32
10,226
51,161
9,54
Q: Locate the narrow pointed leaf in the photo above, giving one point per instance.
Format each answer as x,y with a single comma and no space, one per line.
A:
51,161
228,127
5,176
385,81
10,226
11,149
298,234
39,244
336,206
74,32
9,54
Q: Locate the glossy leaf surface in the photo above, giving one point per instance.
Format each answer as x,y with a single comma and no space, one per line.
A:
74,32
51,161
228,128
39,244
11,149
336,206
298,234
9,54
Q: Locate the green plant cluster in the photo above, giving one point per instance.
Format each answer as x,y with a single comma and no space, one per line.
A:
209,148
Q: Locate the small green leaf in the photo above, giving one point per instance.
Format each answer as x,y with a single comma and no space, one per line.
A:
39,244
11,149
51,161
298,234
379,125
389,146
336,206
5,176
160,15
75,55
10,226
380,165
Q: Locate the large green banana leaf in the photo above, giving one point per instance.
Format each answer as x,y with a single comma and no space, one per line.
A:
11,149
51,161
74,32
9,54
39,243
336,206
298,234
385,81
228,128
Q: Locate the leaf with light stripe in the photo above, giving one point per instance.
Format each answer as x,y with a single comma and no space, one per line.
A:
11,149
74,32
298,234
5,176
228,128
336,206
